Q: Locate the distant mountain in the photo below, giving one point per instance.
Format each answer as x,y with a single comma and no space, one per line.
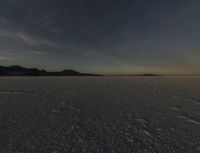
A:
136,75
17,70
149,75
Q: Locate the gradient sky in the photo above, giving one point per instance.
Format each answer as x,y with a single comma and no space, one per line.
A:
102,36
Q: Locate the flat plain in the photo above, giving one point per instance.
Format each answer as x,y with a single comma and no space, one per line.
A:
100,114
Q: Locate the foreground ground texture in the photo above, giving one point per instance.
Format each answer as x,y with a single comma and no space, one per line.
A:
100,115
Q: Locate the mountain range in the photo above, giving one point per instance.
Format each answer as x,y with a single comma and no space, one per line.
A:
17,70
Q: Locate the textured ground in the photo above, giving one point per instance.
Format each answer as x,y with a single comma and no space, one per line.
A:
100,114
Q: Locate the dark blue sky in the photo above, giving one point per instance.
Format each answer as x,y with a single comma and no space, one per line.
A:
103,36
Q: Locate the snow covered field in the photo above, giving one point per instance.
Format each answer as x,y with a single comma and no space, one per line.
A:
100,114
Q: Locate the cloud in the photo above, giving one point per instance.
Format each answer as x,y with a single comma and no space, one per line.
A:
38,41
27,39
3,58
3,20
35,52
190,8
6,33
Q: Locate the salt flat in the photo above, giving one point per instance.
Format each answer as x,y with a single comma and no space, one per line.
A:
100,114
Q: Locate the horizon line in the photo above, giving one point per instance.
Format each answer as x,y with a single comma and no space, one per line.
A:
103,74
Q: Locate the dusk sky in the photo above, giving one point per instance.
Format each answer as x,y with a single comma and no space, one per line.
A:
102,36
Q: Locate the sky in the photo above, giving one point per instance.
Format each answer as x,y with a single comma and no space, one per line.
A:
102,36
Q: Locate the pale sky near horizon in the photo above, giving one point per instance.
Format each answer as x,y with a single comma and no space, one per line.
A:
102,36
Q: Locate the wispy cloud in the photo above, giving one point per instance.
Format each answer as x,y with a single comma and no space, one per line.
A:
38,41
3,58
35,52
3,20
191,8
6,33
27,39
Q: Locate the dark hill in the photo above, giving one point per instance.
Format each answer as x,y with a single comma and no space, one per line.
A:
17,70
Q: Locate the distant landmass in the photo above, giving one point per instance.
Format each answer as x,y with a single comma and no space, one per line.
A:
17,70
148,75
139,75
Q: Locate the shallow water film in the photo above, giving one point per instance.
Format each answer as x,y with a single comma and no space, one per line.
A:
100,114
